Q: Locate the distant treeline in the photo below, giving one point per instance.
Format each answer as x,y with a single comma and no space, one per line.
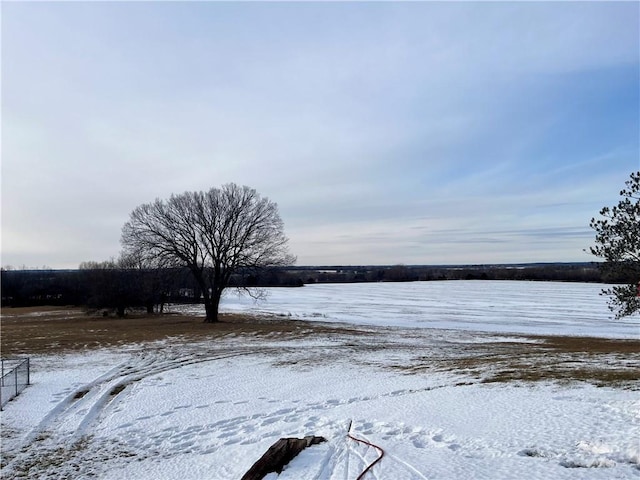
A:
561,272
120,289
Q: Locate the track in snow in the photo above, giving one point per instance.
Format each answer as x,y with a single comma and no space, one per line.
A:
63,433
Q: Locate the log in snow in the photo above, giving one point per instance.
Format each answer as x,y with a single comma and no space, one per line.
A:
279,455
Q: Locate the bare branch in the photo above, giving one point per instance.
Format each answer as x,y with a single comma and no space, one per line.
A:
215,234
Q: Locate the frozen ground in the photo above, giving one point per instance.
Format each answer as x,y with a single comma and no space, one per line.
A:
171,410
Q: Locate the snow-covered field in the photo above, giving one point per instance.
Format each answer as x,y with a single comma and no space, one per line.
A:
497,306
171,410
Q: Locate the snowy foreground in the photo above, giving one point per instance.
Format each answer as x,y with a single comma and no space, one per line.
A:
173,410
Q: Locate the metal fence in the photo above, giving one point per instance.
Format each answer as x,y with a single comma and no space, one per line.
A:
15,378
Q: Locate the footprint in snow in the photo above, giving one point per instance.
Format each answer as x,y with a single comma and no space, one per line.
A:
418,443
269,421
282,411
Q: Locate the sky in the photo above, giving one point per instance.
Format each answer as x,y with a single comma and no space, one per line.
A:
387,133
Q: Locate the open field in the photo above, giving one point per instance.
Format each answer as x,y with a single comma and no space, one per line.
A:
169,397
601,361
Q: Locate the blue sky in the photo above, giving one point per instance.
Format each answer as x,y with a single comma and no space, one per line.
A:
416,133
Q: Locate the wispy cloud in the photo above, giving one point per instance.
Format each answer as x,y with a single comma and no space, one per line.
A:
366,122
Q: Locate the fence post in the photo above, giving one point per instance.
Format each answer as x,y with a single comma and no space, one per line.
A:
15,374
28,371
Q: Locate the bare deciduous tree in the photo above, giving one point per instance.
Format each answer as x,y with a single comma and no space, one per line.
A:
618,243
214,234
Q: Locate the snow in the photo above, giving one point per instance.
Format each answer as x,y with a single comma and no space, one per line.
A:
175,410
498,306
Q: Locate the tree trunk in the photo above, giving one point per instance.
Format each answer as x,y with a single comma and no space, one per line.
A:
211,309
163,299
212,305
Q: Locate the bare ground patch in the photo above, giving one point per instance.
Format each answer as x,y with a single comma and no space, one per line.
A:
563,359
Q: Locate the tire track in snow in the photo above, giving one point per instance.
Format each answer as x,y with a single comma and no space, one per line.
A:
116,387
69,423
84,405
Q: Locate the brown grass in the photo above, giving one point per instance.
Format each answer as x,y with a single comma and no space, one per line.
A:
28,331
563,359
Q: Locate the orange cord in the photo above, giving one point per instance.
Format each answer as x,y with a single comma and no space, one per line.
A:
379,449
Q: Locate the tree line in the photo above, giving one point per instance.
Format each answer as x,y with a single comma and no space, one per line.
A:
106,286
